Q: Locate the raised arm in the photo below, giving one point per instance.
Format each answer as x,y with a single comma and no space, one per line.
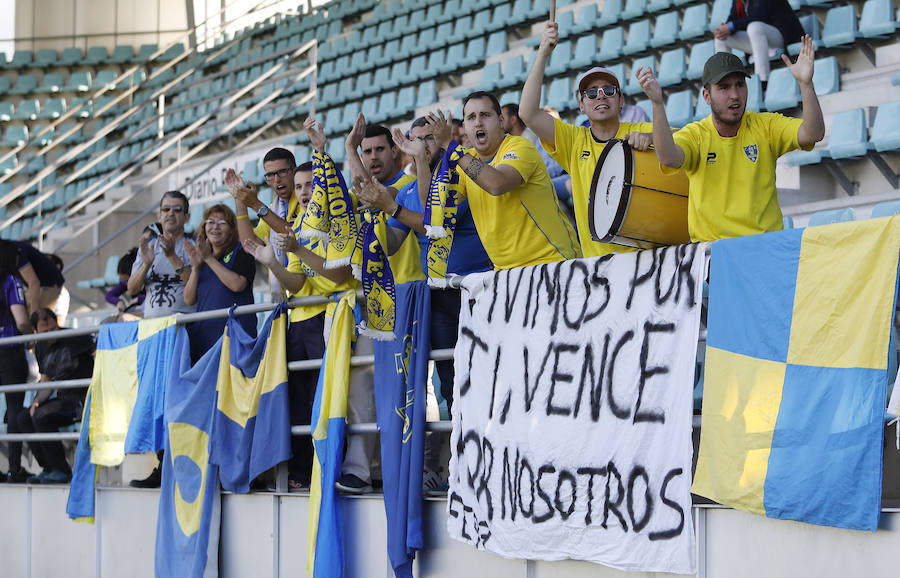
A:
351,146
246,195
668,153
812,130
530,106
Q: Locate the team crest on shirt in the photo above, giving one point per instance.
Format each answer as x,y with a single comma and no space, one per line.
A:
510,156
751,152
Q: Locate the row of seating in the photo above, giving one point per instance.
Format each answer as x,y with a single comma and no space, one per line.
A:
850,137
84,81
96,55
389,105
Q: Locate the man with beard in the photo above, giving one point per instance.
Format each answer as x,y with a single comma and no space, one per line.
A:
730,155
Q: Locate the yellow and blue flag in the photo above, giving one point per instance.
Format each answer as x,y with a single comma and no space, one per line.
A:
796,372
401,368
125,403
252,421
187,528
325,542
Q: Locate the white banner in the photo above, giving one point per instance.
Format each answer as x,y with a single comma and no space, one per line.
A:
572,412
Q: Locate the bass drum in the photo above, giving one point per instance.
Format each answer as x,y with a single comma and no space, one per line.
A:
632,203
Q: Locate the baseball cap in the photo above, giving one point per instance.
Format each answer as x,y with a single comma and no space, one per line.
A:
720,65
586,77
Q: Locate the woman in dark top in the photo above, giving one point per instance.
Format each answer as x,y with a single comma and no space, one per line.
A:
221,276
13,366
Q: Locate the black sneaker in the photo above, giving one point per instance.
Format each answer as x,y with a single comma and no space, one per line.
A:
151,481
351,484
19,476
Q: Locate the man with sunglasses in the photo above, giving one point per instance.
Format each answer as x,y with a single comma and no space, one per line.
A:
162,266
578,148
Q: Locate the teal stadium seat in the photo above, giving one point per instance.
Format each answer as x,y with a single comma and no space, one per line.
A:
406,101
638,37
886,127
566,22
104,78
665,31
719,13
27,110
827,76
831,216
45,58
461,30
41,135
475,53
680,108
513,73
172,52
9,165
585,51
612,10
501,17
810,24
787,222
96,55
6,111
496,43
632,86
122,54
559,96
848,134
539,10
15,135
877,19
399,71
694,23
633,9
71,56
20,59
672,67
560,59
655,6
702,109
25,84
586,17
145,52
886,209
754,93
427,94
53,108
78,82
840,26
454,60
436,61
783,92
646,106
5,84
611,44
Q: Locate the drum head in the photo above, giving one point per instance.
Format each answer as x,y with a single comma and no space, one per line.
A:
609,194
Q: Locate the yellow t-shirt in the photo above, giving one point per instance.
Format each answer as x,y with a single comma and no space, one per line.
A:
526,225
315,284
577,151
733,179
262,228
406,264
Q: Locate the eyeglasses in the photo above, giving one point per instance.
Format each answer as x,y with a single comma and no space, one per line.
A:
217,223
281,173
176,208
429,138
608,91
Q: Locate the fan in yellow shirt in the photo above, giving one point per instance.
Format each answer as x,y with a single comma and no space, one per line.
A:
578,148
730,155
510,194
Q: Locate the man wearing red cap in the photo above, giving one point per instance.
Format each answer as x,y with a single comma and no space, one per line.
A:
577,148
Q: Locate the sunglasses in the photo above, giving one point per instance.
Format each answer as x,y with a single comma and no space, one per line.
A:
281,173
176,208
608,91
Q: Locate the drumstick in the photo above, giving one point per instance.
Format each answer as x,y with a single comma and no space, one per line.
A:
552,10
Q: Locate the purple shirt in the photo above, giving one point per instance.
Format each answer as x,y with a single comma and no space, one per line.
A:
13,294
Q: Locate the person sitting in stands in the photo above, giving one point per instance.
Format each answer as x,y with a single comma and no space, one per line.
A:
118,295
58,359
41,276
221,276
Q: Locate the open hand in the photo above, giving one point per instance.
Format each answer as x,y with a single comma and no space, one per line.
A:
440,128
412,147
316,133
285,243
262,253
167,244
193,254
357,133
722,31
147,252
246,193
373,195
802,70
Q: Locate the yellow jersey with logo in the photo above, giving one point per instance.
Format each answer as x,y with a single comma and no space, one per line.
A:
406,263
262,229
524,226
315,284
733,179
577,151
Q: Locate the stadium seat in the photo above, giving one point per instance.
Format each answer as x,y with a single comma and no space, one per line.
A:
51,82
25,84
501,17
680,108
632,86
787,222
754,93
646,106
461,29
560,59
848,134
442,35
387,102
381,78
496,43
886,127
633,9
655,6
474,55
877,19
610,14
172,52
53,108
96,55
406,101
145,52
513,72
566,21
665,31
6,111
585,52
20,59
672,67
827,76
8,166
71,56
719,13
831,216
782,92
810,25
840,26
638,37
27,110
886,209
702,110
694,23
104,78
78,82
611,44
559,96
46,58
436,61
427,94
15,136
539,10
5,84
585,19
122,54
398,72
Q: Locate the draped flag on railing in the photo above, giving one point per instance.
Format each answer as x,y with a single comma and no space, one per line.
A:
124,409
325,542
401,368
187,528
796,371
252,422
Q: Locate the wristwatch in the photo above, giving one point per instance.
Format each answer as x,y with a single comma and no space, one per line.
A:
262,211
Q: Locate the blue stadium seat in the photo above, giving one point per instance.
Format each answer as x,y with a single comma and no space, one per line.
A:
886,209
638,37
539,9
45,58
387,103
384,55
633,9
406,101
586,17
70,56
475,53
27,110
96,55
719,13
702,109
655,6
840,26
436,61
8,166
513,72
358,62
783,92
831,216
632,87
53,108
646,106
6,111
848,134
490,74
104,78
496,43
810,25
20,59
560,59
754,93
585,51
619,72
827,76
51,82
172,52
680,108
5,84
877,19
611,13
672,67
427,94
886,127
417,69
501,17
25,84
787,222
145,52
122,54
665,31
611,44
398,72
694,23
481,23
78,82
15,135
461,30
559,96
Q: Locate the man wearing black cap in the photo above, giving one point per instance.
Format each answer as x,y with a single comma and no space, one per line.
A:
730,155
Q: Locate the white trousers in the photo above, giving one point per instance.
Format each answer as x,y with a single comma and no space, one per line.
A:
758,40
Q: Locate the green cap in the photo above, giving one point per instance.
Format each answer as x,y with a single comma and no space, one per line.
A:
720,65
